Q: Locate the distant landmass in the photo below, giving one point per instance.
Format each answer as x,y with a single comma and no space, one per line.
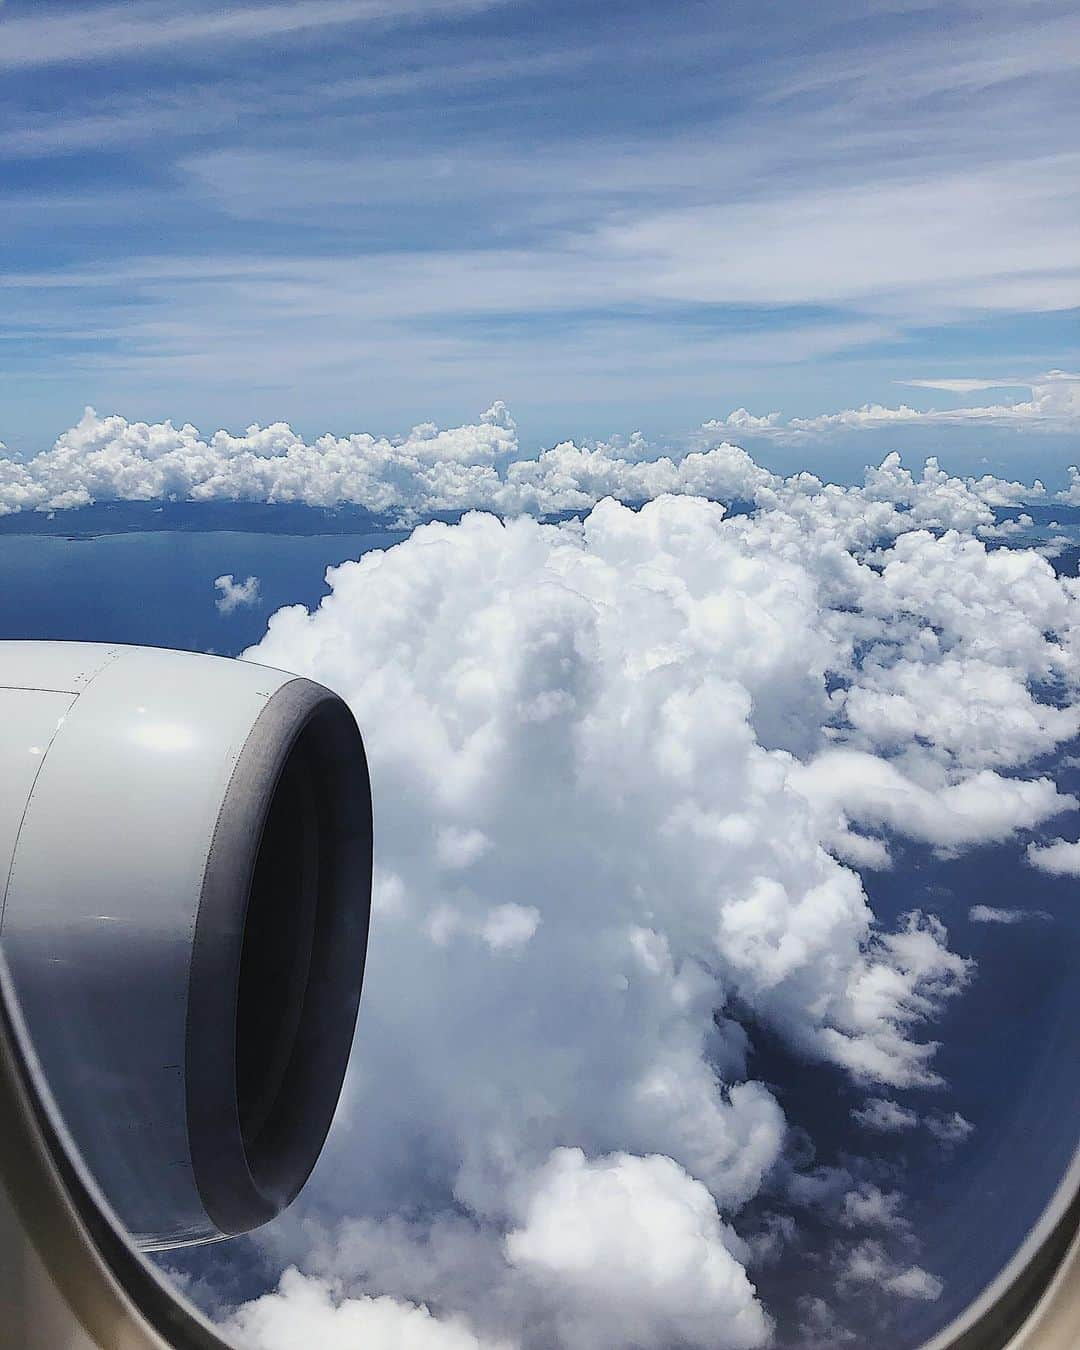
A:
297,518
83,522
124,517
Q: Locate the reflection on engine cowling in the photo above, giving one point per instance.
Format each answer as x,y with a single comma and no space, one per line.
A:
188,848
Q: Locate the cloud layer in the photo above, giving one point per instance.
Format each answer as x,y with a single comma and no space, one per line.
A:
630,772
406,478
1054,406
783,214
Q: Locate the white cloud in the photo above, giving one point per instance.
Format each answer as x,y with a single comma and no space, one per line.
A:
457,848
915,1283
1071,495
638,1257
976,708
870,1207
819,1328
305,1311
949,1128
406,477
882,1113
966,386
616,761
504,928
868,1263
851,786
1054,406
629,769
113,31
508,927
889,1117
233,594
602,640
619,1250
886,242
1060,858
835,139
991,914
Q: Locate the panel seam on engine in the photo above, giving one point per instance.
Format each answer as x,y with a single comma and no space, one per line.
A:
30,796
41,689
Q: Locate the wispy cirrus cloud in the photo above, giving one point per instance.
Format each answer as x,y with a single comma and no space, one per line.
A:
347,218
104,32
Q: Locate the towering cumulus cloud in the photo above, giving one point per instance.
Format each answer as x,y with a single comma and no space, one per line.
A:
629,772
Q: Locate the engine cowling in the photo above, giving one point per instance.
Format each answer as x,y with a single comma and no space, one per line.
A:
186,845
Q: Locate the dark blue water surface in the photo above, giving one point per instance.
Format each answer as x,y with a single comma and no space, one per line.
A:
1010,1047
1010,1055
157,588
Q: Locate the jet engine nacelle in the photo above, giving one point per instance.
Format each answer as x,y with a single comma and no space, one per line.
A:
185,865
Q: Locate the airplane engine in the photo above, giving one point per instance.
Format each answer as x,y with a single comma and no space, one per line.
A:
185,857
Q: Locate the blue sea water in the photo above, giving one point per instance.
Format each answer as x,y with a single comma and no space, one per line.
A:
1010,1045
1010,1054
157,587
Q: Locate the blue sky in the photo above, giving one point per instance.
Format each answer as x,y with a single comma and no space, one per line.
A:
368,213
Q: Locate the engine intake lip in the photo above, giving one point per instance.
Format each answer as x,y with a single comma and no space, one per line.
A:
278,956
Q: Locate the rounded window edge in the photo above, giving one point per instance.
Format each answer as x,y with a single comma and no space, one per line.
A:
112,1293
95,1281
1034,1302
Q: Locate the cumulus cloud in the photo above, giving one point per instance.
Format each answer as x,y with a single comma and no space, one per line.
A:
889,1117
870,1207
615,794
402,478
882,1113
1071,495
638,1256
304,1311
457,848
850,785
1060,858
572,660
916,1283
509,926
233,594
502,928
630,770
868,1263
407,478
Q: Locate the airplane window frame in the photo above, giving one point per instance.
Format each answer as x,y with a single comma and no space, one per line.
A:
83,1270
109,1291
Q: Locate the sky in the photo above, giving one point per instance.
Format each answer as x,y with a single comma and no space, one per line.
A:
701,386
615,216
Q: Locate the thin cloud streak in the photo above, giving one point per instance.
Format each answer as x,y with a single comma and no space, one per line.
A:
103,33
1054,407
356,216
